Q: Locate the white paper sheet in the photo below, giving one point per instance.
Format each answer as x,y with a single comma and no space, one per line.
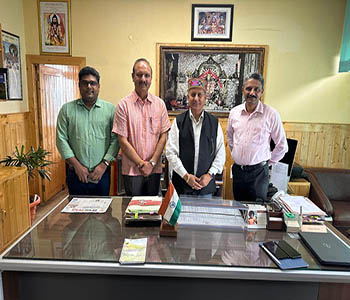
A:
279,176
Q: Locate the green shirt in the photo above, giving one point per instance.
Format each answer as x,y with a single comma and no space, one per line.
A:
87,134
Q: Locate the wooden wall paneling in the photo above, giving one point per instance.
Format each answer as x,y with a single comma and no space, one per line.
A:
321,145
15,132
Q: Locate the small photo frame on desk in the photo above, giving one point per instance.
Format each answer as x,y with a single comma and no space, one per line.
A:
12,62
54,27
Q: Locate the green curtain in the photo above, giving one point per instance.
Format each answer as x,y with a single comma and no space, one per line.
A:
344,64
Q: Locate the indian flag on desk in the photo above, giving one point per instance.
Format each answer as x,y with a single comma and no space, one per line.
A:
171,205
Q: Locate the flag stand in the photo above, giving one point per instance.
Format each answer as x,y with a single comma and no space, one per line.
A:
167,230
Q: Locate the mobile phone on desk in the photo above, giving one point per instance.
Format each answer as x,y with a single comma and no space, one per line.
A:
273,248
291,252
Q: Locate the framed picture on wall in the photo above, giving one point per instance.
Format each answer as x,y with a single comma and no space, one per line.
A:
12,61
224,68
54,27
212,22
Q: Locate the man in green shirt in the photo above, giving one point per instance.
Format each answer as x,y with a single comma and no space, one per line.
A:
85,140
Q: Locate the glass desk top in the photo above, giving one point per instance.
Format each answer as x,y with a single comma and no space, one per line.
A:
99,238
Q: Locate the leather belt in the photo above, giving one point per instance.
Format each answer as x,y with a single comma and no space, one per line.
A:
252,167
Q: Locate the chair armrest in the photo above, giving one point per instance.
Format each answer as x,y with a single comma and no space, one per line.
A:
317,194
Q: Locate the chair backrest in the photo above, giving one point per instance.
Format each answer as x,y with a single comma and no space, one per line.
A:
334,182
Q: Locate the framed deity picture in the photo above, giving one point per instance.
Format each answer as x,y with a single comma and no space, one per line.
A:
54,27
212,22
12,62
224,68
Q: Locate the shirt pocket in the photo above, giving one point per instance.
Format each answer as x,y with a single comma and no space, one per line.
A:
100,130
259,135
155,125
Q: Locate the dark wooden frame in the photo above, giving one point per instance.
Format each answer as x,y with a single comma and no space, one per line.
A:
206,8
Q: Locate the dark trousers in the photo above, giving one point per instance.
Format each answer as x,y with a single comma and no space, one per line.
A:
250,184
142,186
76,187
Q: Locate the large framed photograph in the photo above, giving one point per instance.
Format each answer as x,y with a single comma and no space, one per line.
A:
223,67
12,61
212,22
54,27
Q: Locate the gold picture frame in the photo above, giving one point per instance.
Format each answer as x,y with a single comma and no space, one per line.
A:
55,27
223,66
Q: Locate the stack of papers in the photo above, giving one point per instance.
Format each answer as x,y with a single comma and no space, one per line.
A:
143,208
87,205
294,203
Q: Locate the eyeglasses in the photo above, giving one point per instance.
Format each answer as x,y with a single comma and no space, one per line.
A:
86,83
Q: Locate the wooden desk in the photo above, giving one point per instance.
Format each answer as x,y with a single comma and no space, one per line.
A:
75,256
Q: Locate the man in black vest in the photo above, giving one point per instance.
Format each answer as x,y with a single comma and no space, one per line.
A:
195,148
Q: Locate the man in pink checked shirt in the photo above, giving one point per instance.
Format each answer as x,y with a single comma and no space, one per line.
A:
251,126
141,123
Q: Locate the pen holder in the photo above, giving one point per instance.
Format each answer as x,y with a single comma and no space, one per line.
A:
274,220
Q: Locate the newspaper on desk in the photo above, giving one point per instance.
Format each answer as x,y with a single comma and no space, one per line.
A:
211,213
87,205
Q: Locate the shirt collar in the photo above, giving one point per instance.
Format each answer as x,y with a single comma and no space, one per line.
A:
97,103
137,97
259,108
201,117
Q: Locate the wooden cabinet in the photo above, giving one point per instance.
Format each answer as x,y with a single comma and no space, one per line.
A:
14,204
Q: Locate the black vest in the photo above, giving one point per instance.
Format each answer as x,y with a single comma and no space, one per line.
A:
207,150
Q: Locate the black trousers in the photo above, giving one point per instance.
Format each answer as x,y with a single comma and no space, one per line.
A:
250,184
76,187
142,186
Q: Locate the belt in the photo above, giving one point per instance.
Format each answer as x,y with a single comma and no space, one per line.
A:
252,167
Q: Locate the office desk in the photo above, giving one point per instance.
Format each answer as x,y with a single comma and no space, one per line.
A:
75,256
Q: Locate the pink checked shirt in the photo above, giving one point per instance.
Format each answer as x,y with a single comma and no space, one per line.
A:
249,136
142,123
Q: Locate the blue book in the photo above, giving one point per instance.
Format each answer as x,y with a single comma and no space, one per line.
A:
286,263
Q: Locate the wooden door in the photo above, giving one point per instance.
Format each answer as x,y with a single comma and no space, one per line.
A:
57,85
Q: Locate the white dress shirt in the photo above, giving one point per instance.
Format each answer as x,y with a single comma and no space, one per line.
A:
172,148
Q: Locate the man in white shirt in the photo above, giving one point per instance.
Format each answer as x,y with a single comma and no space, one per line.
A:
195,148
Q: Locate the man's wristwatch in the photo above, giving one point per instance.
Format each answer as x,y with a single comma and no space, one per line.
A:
152,163
106,162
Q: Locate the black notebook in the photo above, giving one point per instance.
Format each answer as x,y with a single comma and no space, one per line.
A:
327,247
